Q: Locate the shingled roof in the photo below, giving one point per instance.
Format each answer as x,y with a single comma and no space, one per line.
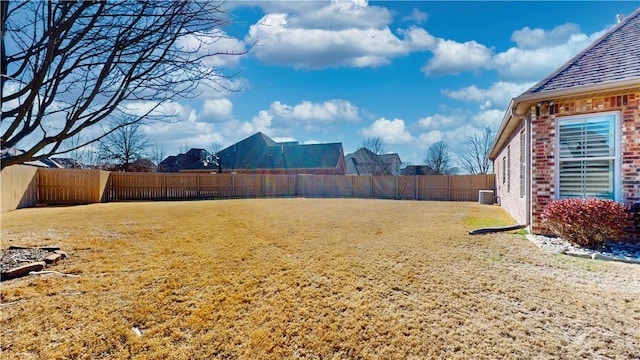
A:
259,152
613,57
610,63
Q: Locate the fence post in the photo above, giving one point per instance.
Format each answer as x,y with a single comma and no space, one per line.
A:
397,189
324,185
164,186
353,188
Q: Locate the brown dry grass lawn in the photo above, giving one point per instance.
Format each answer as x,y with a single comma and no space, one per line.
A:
308,278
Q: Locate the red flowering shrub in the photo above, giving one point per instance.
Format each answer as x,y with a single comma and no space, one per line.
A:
586,222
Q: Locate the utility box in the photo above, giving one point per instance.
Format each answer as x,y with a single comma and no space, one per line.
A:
485,197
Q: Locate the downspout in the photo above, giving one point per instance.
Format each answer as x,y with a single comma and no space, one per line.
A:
528,160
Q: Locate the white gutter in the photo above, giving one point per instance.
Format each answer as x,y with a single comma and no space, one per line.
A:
582,90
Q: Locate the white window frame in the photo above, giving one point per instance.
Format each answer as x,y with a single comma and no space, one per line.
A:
617,158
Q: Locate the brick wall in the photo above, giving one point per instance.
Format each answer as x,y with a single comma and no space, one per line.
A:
543,128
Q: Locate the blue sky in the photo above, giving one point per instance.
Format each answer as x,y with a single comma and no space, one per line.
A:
409,72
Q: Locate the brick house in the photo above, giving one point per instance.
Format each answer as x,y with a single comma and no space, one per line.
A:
259,154
576,133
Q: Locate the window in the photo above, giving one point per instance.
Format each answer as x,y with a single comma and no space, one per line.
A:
504,168
588,153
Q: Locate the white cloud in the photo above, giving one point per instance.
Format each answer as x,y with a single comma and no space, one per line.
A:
526,64
390,131
454,138
168,110
262,121
340,34
311,142
185,130
537,53
342,15
217,109
439,121
225,51
450,57
497,95
426,139
528,38
283,139
418,38
307,111
417,16
489,118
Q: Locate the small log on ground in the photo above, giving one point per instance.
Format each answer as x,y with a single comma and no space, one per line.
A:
23,270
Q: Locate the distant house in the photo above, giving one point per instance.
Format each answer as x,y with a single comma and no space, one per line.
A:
68,163
365,162
260,154
44,163
576,133
195,160
418,170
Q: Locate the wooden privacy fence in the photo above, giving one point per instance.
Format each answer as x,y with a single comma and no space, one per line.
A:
26,186
159,186
156,186
19,185
71,186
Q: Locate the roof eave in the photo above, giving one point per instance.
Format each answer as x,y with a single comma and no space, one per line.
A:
582,90
519,106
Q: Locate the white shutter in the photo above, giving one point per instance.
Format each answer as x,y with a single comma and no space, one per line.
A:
586,157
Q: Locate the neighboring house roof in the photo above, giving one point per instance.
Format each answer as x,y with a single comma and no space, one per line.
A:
390,158
418,170
192,159
258,152
363,160
45,163
610,63
68,163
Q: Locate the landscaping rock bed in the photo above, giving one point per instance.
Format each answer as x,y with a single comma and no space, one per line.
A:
18,261
610,251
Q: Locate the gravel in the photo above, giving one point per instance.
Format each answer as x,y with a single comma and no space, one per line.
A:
11,258
621,251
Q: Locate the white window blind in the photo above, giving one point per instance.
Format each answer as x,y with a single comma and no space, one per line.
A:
587,157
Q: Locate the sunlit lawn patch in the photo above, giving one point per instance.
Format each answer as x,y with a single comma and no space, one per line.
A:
308,278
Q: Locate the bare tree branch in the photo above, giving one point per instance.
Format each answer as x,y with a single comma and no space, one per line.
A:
374,162
66,66
475,159
440,159
127,144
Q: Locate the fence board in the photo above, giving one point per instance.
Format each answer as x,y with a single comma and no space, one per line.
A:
69,186
338,186
362,186
19,187
383,187
407,187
